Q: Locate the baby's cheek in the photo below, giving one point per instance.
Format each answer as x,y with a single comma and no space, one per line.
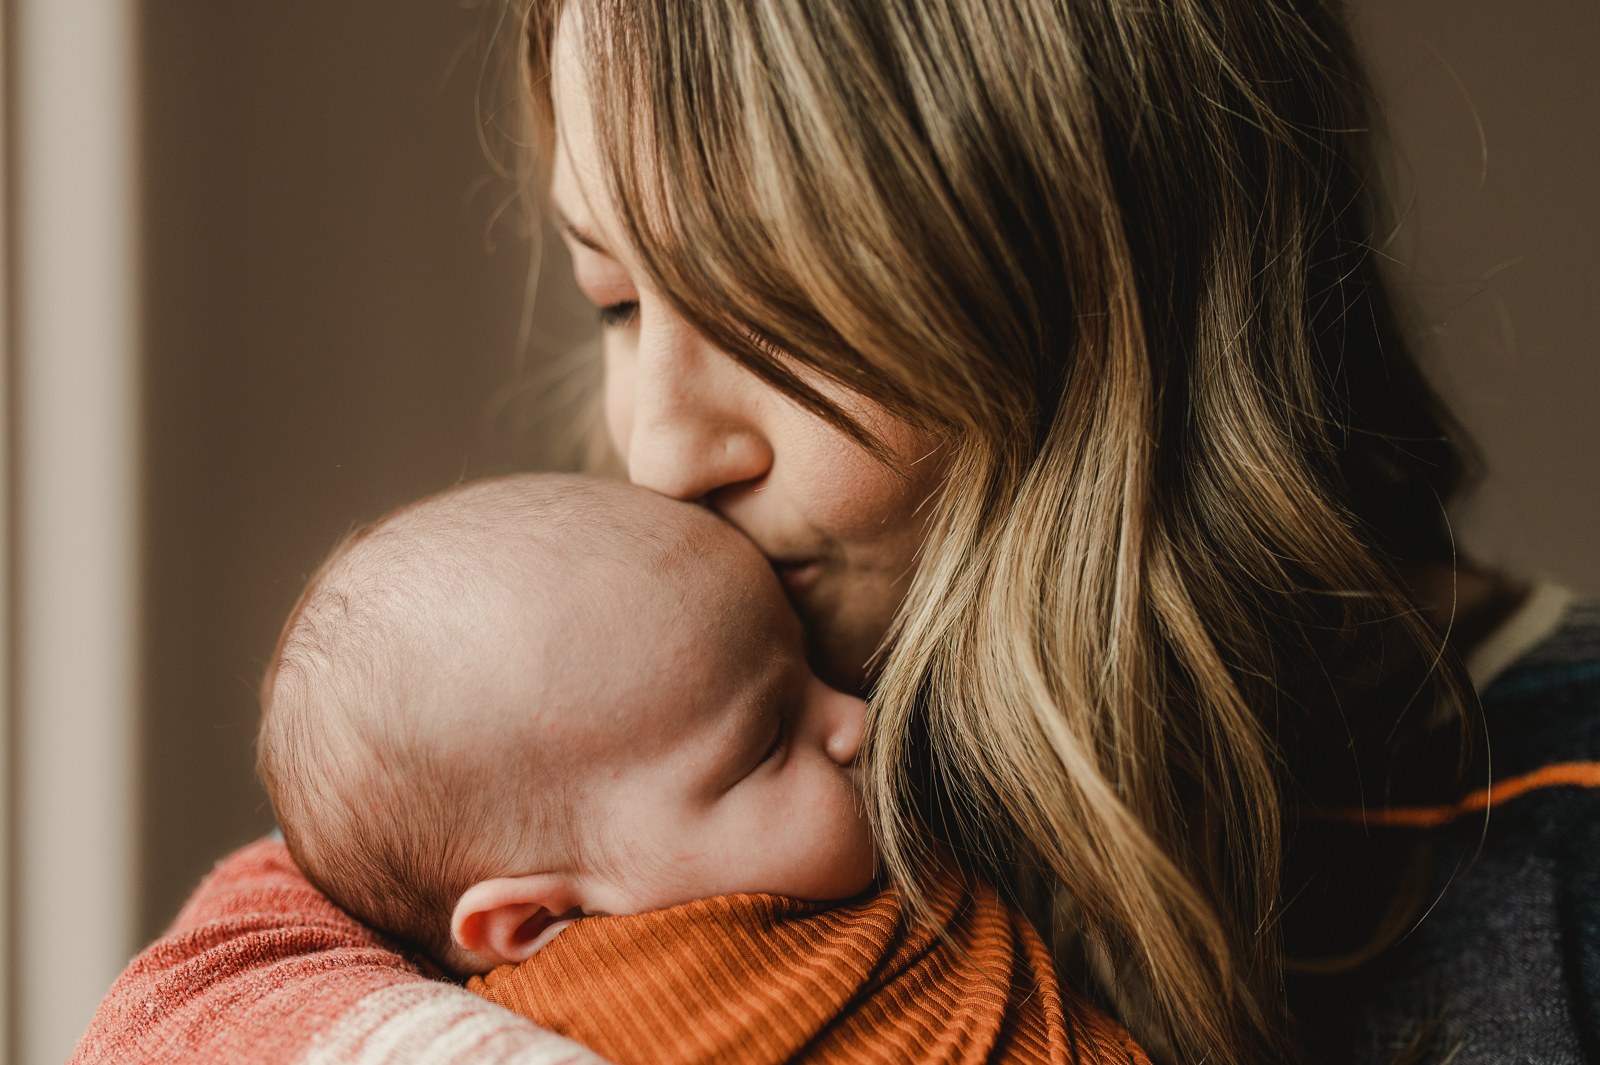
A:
849,858
863,856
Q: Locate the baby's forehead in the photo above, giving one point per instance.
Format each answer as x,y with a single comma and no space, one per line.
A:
565,558
536,632
514,532
595,519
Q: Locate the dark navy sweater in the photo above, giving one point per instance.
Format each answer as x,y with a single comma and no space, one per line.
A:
1504,964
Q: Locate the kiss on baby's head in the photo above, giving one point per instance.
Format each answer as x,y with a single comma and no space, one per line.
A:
538,697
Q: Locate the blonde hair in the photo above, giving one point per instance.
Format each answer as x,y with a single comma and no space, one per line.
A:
1119,255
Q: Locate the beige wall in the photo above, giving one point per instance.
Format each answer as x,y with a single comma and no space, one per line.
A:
1494,108
324,325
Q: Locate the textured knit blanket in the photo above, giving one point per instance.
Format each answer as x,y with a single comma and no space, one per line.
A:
260,967
763,980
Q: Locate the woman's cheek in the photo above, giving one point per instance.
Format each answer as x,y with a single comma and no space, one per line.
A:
851,496
617,397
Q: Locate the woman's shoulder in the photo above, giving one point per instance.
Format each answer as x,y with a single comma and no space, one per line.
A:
262,967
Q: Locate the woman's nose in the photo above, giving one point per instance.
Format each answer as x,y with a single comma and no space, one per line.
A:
694,417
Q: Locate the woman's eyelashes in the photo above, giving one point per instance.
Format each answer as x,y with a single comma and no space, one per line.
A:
617,315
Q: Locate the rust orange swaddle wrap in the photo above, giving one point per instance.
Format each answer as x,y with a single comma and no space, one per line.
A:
760,980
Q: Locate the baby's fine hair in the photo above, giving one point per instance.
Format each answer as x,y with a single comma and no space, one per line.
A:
379,809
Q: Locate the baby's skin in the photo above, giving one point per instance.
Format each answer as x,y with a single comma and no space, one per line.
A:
651,694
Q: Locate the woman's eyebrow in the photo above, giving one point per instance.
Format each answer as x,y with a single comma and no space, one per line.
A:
570,228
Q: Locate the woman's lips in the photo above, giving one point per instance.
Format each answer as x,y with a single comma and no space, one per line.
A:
797,576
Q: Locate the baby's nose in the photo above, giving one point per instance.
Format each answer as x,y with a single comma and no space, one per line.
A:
848,723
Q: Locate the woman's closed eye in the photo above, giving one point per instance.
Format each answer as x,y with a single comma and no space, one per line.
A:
618,315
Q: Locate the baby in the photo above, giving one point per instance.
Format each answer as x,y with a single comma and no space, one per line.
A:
539,698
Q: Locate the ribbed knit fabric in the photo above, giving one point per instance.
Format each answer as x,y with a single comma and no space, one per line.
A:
761,980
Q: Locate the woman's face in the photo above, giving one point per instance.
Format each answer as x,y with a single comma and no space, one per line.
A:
841,530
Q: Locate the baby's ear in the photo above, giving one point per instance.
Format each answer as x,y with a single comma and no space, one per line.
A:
506,920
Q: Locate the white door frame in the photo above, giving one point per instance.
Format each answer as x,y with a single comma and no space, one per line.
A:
74,470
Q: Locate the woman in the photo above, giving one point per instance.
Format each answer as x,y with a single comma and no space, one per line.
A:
1041,346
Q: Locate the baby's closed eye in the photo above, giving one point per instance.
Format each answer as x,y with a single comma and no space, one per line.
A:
766,740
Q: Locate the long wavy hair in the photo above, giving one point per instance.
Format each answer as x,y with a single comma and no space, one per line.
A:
1121,256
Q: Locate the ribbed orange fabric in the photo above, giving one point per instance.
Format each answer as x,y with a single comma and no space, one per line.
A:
761,980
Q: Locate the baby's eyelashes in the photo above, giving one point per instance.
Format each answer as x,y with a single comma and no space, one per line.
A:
776,746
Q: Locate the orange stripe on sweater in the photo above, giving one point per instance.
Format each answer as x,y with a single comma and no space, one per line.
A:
1562,774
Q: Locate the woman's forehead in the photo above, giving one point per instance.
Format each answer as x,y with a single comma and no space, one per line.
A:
578,189
576,162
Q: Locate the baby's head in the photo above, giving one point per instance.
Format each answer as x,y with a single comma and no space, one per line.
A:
537,697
